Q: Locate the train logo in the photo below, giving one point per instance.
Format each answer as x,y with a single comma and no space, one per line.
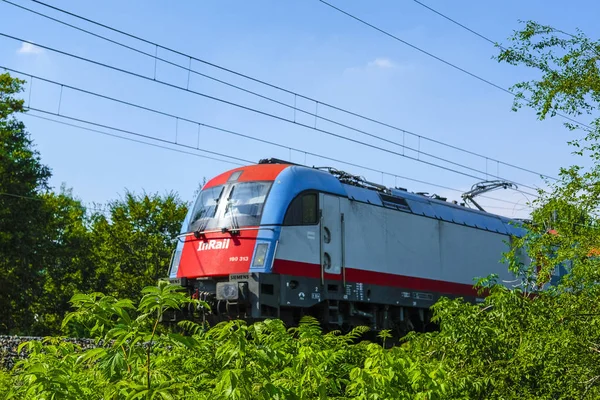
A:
214,245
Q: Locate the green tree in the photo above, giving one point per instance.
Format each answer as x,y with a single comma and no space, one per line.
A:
23,179
132,244
538,341
66,259
568,83
51,248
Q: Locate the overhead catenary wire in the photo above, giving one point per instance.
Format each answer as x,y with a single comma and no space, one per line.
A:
506,208
104,126
155,111
487,39
236,163
221,154
188,68
459,24
138,141
216,128
486,81
330,133
417,48
245,161
314,128
20,196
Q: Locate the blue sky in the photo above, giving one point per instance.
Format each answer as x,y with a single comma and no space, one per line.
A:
303,46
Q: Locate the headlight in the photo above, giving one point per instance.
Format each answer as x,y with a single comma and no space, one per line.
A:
260,255
227,291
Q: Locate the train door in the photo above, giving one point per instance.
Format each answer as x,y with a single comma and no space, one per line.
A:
331,234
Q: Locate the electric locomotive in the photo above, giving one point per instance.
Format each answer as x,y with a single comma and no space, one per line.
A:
282,240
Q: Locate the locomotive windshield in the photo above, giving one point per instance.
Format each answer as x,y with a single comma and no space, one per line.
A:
229,206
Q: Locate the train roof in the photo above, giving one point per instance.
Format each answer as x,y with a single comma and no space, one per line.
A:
358,189
400,199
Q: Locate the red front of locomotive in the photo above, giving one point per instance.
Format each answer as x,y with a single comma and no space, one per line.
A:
219,235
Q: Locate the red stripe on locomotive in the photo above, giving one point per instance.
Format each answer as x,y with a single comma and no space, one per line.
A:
296,268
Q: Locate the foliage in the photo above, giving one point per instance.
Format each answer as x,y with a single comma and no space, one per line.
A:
510,347
568,64
132,244
569,83
66,265
43,238
516,347
231,360
6,382
22,214
563,235
52,247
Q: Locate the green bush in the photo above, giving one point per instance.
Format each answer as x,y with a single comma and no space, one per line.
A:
509,347
6,383
137,358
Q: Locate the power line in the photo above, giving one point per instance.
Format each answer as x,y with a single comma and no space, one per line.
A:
139,134
224,155
155,57
20,196
441,59
176,117
505,208
475,32
482,36
194,154
459,24
417,48
270,115
134,140
479,34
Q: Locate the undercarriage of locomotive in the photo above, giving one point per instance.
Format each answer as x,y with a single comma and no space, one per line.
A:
337,306
219,299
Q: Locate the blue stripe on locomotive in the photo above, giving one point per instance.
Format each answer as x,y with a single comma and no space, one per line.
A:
292,181
296,179
289,183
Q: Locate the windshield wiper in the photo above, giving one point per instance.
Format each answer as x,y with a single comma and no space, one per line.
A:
225,230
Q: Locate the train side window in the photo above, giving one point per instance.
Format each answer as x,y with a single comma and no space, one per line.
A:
309,208
304,210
